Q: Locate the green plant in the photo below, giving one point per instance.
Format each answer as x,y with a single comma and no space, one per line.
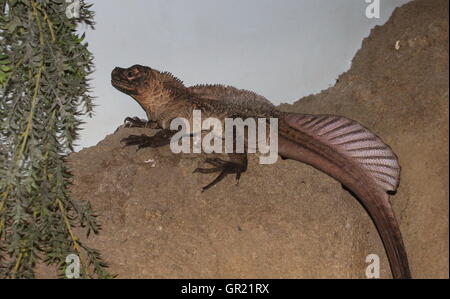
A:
44,70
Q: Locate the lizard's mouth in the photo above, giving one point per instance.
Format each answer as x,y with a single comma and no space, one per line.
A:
122,86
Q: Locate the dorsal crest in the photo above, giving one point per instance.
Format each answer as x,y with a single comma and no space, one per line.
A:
169,77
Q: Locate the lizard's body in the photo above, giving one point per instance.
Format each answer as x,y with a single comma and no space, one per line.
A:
338,146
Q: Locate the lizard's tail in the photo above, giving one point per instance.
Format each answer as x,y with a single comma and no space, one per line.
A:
358,159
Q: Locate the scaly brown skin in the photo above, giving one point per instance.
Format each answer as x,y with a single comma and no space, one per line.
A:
338,146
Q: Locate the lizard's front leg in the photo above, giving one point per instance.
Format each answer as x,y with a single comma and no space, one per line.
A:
161,138
236,165
136,122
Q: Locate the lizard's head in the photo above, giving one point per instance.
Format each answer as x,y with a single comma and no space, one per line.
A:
149,87
133,81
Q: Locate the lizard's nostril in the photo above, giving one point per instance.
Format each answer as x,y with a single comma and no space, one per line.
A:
115,72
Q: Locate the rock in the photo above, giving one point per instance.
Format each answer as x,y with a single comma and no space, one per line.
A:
402,95
289,220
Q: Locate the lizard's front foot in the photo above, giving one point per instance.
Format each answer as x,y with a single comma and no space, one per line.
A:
136,122
161,138
225,168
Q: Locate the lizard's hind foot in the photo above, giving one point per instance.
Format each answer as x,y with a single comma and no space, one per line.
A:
136,122
225,168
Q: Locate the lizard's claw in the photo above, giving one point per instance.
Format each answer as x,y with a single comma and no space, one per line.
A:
136,122
161,138
225,168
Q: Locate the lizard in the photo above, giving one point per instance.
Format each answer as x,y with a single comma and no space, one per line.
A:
218,92
335,145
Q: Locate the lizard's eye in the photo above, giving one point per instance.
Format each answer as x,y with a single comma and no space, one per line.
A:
130,74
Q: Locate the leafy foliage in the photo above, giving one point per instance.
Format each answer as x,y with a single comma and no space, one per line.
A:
44,70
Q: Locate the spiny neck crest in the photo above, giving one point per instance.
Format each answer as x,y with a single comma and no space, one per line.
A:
167,77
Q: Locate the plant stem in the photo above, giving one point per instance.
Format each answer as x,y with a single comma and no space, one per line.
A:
17,265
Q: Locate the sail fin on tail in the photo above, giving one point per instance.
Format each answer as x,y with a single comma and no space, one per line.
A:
354,141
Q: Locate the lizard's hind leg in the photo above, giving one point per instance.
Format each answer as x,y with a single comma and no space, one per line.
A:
236,165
